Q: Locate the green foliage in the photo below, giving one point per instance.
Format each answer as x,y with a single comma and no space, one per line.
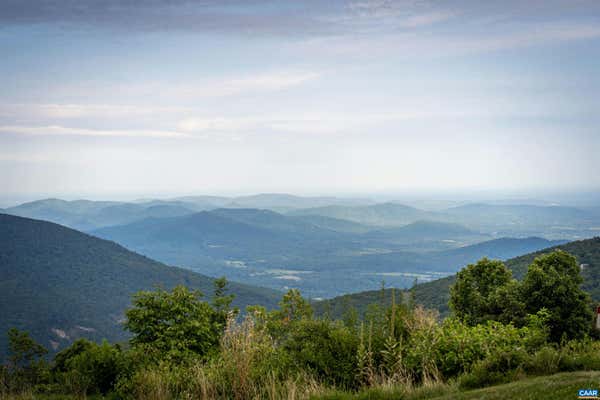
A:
486,291
23,349
87,367
293,307
183,347
174,325
25,367
324,349
553,283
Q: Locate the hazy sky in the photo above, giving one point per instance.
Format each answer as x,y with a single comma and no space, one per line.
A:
139,97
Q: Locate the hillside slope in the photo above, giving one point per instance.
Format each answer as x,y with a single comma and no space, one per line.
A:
435,294
59,283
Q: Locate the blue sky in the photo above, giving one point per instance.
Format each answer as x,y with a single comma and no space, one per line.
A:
106,98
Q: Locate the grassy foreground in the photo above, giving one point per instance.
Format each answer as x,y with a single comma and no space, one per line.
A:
563,386
554,387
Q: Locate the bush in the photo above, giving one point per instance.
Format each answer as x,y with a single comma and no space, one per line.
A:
545,361
86,367
324,349
497,368
458,347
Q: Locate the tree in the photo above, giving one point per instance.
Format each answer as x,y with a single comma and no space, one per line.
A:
553,282
222,301
25,359
293,307
486,291
174,324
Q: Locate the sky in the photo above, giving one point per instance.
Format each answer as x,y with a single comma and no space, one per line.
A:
135,98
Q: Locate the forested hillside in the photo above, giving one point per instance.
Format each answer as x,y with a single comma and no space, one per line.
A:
60,284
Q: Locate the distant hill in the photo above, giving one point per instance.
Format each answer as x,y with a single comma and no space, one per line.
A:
60,284
494,220
282,201
87,215
225,234
384,214
274,221
435,294
69,213
334,224
497,220
419,233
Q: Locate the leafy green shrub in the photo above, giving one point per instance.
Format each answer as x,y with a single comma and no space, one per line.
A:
580,355
545,361
174,325
458,346
86,367
498,368
324,349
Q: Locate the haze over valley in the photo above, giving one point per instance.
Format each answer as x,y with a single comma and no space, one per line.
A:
324,246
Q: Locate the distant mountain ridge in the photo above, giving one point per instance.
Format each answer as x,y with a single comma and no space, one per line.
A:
499,219
382,214
88,215
60,284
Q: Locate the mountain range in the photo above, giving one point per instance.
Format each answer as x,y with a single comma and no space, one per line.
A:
341,214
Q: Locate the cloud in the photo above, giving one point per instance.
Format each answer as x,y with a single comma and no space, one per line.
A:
412,45
307,18
74,111
53,130
214,124
256,83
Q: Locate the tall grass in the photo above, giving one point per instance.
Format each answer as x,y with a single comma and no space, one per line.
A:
245,369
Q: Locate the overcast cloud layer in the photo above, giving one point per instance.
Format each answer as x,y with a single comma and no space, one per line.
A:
139,97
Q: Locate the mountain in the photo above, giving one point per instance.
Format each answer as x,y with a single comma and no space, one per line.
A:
435,294
273,221
87,215
221,235
428,234
282,201
334,224
60,284
69,213
125,213
384,214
